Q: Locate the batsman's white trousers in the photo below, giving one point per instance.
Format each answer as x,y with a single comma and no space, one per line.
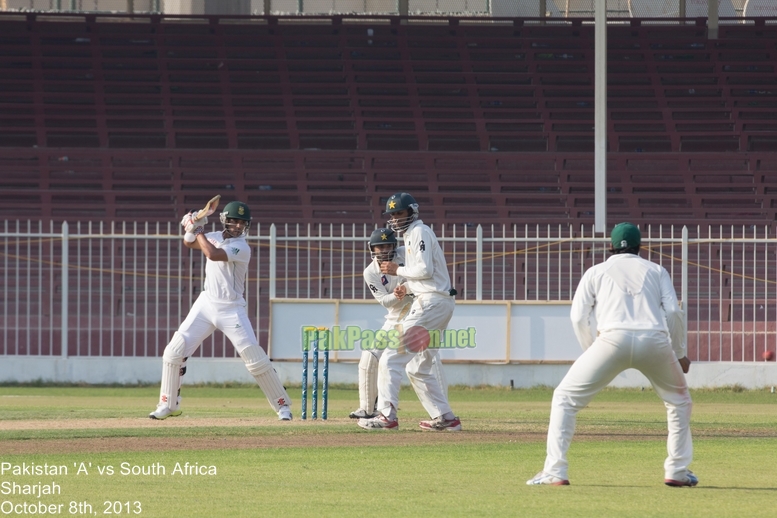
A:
231,318
207,315
611,353
430,311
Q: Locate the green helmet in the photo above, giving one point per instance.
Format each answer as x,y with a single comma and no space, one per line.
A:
383,236
235,210
401,201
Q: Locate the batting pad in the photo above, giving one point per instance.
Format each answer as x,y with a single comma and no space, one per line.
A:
258,364
368,381
172,363
181,371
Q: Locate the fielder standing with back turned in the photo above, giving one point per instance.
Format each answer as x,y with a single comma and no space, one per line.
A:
640,326
221,305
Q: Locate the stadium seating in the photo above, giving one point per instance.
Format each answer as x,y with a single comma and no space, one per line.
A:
111,118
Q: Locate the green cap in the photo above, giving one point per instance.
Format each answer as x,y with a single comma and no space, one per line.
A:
625,235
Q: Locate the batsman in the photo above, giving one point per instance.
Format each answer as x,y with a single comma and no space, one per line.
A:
221,305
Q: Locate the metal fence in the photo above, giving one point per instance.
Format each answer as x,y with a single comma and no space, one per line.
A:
86,290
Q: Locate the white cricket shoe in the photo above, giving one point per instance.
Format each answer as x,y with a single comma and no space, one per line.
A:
380,422
284,414
546,479
163,412
688,480
440,424
362,414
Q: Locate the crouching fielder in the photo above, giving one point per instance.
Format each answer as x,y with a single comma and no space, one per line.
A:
640,326
221,305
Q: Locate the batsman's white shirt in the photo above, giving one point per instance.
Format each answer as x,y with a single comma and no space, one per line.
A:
382,288
221,305
629,293
226,280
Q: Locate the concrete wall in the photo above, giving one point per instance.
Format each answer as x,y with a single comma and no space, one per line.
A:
750,375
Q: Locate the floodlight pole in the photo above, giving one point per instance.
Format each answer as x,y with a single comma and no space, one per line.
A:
600,116
713,21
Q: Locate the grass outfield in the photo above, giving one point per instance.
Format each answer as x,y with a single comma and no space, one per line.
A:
249,464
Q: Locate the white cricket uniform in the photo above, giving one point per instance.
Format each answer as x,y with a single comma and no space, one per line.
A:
382,286
426,276
640,326
221,304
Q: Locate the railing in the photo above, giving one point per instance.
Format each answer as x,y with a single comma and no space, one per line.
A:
109,290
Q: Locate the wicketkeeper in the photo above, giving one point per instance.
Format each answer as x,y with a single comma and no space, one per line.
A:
426,276
391,292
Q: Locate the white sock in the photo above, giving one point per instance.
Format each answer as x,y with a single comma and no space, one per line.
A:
392,415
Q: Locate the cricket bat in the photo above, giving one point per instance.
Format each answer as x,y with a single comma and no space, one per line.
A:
209,208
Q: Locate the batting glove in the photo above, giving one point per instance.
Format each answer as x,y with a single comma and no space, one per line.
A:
189,224
187,219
